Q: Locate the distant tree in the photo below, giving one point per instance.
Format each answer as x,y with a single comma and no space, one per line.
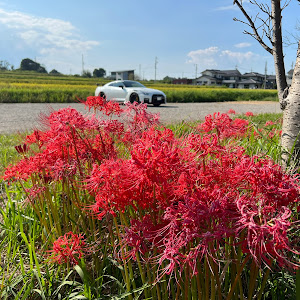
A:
30,65
131,76
86,74
168,79
54,72
99,73
137,77
5,65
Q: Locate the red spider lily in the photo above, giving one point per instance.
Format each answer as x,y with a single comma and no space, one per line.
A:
267,234
269,123
249,114
101,104
136,239
139,118
246,198
71,142
94,102
68,248
21,149
231,111
224,126
146,180
113,184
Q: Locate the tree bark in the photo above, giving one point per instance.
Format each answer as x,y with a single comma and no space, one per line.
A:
277,51
290,139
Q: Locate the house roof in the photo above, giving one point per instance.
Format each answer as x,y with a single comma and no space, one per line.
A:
207,77
224,72
122,71
271,77
231,72
249,81
253,74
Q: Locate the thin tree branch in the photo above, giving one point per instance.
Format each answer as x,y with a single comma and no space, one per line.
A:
252,25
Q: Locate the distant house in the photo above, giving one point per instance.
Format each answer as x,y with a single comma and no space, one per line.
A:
249,84
289,76
252,80
271,82
234,79
207,80
228,78
122,75
182,81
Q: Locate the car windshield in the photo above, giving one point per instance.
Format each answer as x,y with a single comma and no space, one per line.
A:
136,84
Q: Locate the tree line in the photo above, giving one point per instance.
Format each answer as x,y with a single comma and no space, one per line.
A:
31,65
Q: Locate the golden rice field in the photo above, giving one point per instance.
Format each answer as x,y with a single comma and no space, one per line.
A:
18,87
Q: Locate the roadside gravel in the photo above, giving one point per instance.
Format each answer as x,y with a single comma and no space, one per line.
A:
26,116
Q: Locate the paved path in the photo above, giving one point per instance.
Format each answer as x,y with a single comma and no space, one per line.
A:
25,116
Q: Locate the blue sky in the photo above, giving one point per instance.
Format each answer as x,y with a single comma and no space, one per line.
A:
119,35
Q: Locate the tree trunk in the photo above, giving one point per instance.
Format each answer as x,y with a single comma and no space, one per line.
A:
277,50
290,139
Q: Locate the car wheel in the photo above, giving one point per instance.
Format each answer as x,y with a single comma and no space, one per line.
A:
134,97
156,104
102,95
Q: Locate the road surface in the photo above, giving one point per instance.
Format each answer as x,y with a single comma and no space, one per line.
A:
18,117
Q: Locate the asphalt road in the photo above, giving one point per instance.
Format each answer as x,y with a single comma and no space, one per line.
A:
26,116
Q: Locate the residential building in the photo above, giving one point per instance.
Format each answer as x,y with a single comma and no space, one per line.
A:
289,76
122,75
234,79
228,78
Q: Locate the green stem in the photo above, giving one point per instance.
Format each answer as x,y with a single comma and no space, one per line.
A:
127,279
237,278
253,275
265,278
207,279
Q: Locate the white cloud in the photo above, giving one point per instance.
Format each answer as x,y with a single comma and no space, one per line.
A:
47,36
213,57
228,7
242,45
239,57
204,56
21,21
231,7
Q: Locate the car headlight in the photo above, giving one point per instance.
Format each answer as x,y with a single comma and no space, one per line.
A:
145,93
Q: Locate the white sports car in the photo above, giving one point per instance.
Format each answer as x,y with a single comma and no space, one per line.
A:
130,91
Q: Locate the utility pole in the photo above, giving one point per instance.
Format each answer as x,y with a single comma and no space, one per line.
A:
140,72
266,71
82,64
155,67
196,71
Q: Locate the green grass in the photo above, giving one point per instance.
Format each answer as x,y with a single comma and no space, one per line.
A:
8,153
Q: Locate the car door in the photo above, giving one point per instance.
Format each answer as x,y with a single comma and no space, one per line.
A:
116,91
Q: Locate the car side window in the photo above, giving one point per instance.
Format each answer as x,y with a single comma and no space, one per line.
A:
117,84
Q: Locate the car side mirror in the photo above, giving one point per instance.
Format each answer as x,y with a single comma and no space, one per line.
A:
121,86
